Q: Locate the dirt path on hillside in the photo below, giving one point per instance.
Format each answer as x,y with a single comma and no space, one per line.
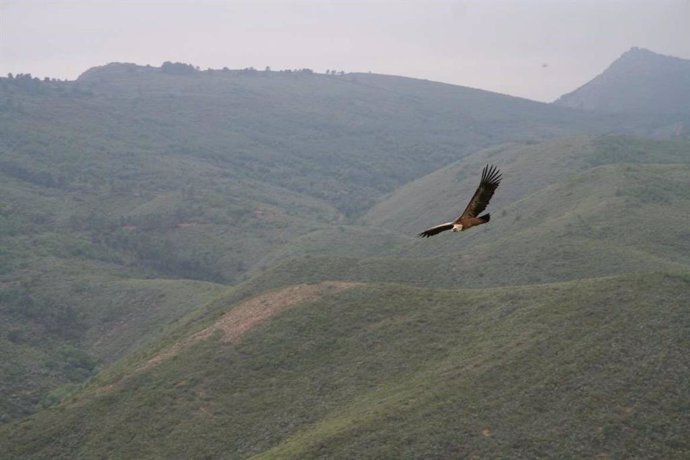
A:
250,314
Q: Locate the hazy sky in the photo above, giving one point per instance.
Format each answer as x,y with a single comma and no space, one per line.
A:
537,49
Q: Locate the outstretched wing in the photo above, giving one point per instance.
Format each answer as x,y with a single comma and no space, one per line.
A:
434,230
491,177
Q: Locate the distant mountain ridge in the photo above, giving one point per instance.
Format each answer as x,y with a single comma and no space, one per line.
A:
639,81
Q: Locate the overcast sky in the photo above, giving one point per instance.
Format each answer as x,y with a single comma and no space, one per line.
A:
537,49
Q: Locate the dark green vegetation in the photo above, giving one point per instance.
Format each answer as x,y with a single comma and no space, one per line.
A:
132,198
582,368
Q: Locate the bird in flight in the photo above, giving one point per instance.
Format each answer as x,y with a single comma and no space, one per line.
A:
470,217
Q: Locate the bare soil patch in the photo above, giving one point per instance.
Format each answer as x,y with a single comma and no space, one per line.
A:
250,314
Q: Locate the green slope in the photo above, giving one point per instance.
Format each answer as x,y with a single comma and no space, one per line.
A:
202,175
63,322
526,169
135,173
128,199
585,368
555,195
595,207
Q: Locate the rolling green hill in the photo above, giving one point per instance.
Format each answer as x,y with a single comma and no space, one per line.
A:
132,199
368,365
132,174
526,170
585,368
62,322
566,209
201,174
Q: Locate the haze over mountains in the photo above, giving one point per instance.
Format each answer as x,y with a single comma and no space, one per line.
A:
640,81
222,263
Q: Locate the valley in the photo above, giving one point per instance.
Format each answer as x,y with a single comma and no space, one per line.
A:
223,264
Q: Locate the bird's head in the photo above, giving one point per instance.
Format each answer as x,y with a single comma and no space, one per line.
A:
457,227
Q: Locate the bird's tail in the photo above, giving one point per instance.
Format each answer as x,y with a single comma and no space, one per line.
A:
485,218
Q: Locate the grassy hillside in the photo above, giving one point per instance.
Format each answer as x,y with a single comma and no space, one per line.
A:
134,174
526,169
73,316
132,198
566,209
587,368
62,323
201,174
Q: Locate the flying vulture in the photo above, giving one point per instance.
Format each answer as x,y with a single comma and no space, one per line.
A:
470,217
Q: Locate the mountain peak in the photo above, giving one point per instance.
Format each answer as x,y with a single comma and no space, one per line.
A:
637,51
645,57
639,81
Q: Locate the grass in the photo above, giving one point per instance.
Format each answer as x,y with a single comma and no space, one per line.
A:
526,169
131,198
132,174
62,322
581,368
621,218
